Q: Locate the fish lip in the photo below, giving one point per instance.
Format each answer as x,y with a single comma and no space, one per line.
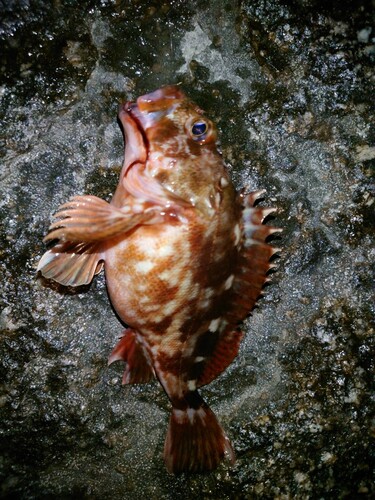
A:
136,143
135,180
137,117
131,108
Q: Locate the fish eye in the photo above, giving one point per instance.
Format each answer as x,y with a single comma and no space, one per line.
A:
198,129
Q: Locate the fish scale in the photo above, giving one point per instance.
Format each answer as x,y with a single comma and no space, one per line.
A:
185,259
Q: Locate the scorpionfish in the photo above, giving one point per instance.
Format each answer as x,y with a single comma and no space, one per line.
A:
185,259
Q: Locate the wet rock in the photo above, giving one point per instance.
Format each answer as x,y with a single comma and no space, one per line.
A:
289,84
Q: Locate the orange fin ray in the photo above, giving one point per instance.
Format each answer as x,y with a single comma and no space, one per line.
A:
71,264
195,440
91,219
225,351
138,368
254,262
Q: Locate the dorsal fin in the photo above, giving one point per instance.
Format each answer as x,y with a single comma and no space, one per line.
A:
254,259
250,275
226,349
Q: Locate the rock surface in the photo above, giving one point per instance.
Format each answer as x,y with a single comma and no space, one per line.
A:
290,85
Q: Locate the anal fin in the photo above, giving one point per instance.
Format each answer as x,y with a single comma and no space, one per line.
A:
138,367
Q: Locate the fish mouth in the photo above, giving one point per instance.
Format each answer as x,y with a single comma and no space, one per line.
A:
136,143
137,117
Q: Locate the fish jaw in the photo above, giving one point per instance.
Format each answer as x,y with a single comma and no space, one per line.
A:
135,146
138,177
137,117
134,180
174,168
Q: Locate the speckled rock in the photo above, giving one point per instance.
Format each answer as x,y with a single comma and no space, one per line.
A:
290,85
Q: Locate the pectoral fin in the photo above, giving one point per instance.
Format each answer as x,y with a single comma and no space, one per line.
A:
84,222
71,263
91,219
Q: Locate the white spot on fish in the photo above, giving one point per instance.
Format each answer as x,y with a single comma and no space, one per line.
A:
237,234
229,282
199,359
204,304
144,266
214,325
192,385
217,199
223,182
191,414
141,288
144,299
138,208
155,350
194,291
201,413
179,415
223,325
250,242
172,277
140,321
186,282
158,318
151,308
165,251
170,307
249,229
146,247
182,219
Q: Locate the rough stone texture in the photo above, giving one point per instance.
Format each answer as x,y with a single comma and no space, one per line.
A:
290,85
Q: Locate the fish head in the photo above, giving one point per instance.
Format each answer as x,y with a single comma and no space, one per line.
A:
171,151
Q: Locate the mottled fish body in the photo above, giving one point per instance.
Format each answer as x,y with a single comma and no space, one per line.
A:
185,258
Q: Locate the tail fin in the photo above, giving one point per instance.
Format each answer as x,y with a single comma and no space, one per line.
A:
195,441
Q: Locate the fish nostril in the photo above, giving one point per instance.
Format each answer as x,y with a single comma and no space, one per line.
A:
129,106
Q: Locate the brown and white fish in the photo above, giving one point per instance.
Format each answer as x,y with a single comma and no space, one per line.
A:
185,258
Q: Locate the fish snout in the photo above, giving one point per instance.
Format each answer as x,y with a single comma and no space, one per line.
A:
160,99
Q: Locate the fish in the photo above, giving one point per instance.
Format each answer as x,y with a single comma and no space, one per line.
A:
185,258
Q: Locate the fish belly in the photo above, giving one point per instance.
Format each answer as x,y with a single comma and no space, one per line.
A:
149,276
